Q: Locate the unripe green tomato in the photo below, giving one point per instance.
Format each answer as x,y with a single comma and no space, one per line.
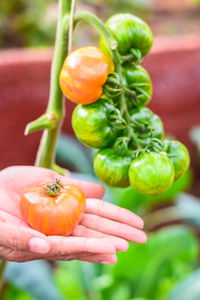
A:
112,168
155,129
151,174
136,78
92,126
179,156
129,32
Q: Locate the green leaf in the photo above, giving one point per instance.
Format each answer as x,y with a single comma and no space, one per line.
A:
12,292
69,277
71,153
168,255
186,208
187,289
34,277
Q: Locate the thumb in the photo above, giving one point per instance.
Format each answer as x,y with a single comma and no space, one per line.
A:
23,239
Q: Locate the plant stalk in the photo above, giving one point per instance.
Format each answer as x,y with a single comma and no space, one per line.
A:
46,152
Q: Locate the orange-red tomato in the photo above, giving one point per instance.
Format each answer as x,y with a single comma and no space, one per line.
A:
53,215
84,73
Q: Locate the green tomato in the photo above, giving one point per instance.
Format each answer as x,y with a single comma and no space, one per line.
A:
112,168
136,78
151,173
151,125
179,156
92,126
129,32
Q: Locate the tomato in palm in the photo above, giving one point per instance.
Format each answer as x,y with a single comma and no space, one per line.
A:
53,209
151,173
146,125
112,168
130,32
92,125
136,78
84,73
179,156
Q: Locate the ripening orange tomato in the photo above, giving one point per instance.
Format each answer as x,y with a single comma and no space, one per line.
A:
53,209
84,73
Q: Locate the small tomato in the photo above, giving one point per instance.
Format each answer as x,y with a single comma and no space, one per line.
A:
130,32
84,73
151,174
179,156
53,209
112,168
149,125
136,78
92,125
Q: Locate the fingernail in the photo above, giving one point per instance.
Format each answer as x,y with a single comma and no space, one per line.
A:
142,238
140,223
121,245
38,245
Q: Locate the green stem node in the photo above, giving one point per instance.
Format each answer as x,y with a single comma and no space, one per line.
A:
46,121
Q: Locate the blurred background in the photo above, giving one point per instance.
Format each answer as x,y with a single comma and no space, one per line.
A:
167,266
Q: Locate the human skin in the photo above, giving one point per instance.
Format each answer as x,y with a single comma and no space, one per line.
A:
104,230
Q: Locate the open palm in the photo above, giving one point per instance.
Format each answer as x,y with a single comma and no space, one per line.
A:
104,229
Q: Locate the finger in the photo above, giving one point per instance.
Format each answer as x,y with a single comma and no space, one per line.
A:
90,189
109,260
81,231
92,258
23,238
113,212
71,245
23,176
113,228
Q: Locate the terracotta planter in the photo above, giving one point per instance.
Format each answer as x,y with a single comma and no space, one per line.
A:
24,84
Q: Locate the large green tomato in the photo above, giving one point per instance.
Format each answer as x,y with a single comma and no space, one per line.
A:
136,78
151,173
92,126
179,156
129,32
112,168
152,124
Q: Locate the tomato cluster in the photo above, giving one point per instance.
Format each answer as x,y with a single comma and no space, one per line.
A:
129,136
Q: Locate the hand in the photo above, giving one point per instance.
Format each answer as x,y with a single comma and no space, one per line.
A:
104,229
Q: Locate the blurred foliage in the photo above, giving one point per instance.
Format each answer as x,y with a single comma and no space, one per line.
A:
146,271
34,277
32,23
12,292
26,23
188,288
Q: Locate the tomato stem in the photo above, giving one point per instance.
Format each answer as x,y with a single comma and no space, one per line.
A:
100,27
53,189
122,100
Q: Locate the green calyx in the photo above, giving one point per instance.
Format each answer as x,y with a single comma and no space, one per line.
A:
53,189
